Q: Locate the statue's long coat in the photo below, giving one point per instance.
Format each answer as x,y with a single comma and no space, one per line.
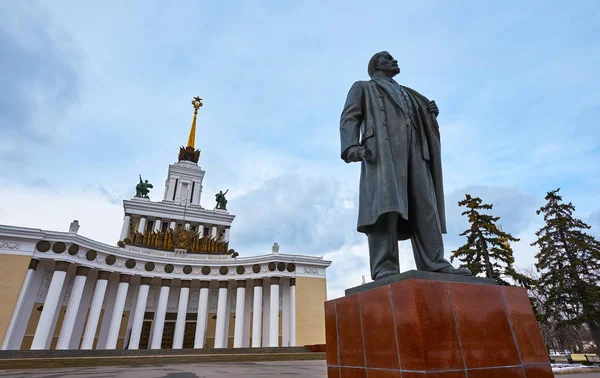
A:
366,121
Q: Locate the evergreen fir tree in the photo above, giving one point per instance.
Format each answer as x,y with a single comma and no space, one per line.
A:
487,249
569,266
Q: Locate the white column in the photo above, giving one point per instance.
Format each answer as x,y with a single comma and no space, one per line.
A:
109,304
187,225
200,230
247,314
226,235
161,311
257,313
201,323
173,225
140,310
125,229
196,193
274,316
157,224
18,311
184,295
117,313
292,312
230,298
170,187
213,231
42,332
84,305
240,302
134,290
221,315
285,312
95,308
142,225
68,323
266,310
69,278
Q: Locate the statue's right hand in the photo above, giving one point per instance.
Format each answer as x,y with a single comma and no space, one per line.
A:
359,153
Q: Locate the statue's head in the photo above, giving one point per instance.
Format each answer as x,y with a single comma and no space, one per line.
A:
385,63
145,181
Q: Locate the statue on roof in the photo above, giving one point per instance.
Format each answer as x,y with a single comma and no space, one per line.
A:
221,201
143,188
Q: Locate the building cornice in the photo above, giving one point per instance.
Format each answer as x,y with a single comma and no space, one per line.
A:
24,241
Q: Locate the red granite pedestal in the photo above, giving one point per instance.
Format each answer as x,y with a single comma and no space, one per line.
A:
432,328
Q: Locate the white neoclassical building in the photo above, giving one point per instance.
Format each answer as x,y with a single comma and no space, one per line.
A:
171,282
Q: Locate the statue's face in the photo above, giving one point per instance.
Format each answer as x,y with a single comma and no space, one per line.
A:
388,65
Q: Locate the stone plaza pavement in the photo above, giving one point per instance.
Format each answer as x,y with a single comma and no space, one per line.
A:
295,369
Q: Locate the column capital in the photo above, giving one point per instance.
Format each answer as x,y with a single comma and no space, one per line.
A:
165,282
125,278
186,283
204,284
258,282
62,266
82,271
33,264
223,284
274,280
241,283
145,281
292,282
103,275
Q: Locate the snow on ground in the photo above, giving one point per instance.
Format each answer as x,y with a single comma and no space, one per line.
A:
570,367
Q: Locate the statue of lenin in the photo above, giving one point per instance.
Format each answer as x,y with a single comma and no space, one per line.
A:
393,131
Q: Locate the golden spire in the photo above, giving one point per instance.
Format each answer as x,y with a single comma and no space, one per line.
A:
197,102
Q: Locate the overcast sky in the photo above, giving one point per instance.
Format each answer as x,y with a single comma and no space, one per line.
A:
92,94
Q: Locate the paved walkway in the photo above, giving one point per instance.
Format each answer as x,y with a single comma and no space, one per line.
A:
296,369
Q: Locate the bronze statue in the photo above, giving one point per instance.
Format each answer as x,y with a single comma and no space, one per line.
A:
392,130
221,201
141,189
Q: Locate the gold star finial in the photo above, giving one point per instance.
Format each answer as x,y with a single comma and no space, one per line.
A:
197,103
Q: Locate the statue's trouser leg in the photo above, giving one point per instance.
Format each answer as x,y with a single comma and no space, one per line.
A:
383,246
426,239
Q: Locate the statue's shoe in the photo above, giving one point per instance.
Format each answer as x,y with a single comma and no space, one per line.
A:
385,273
457,271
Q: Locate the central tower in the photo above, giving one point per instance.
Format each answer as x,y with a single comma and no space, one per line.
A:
184,180
153,224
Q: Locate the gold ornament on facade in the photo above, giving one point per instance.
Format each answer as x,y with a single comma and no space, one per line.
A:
180,238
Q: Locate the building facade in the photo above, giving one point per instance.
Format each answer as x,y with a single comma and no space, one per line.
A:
171,282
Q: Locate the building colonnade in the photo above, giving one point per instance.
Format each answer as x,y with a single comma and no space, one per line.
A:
256,309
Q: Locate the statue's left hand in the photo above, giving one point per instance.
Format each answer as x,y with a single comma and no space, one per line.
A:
433,108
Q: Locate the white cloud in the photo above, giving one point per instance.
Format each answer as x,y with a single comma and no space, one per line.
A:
44,208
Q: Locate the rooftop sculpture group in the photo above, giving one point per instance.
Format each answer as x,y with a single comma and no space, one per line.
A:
142,189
